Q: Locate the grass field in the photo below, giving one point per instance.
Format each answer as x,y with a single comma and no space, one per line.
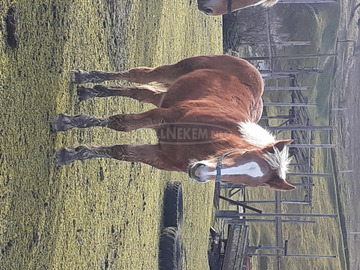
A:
99,214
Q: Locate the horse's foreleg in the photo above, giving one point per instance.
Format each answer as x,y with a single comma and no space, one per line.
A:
145,93
65,122
148,154
164,74
150,119
167,74
121,122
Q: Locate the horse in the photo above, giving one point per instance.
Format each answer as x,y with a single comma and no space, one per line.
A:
220,7
205,121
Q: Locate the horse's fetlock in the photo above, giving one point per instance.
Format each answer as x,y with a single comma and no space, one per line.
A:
99,88
84,93
80,148
62,123
64,156
79,76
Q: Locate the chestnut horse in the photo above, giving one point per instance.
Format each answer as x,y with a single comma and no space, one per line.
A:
205,121
220,7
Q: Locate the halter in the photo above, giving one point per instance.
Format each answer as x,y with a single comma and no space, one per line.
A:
229,3
218,165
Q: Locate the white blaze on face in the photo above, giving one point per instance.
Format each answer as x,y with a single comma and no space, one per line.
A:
251,169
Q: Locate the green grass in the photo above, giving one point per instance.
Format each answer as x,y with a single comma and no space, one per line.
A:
98,214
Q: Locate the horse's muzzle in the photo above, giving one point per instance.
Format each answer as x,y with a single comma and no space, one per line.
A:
193,171
202,6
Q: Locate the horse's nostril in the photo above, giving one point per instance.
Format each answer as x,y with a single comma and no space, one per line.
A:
208,10
192,171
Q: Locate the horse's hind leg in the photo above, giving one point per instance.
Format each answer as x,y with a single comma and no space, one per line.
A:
148,154
145,93
67,155
121,122
164,74
65,122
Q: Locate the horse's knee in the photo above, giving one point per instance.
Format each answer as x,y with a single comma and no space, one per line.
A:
119,123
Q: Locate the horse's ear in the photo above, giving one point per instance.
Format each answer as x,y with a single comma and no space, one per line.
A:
279,145
279,184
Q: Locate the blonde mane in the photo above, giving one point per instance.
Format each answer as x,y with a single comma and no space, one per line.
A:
255,135
279,161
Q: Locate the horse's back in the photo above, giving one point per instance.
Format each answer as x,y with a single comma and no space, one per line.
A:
205,85
246,73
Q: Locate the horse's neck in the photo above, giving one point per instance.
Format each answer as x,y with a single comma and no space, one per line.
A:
231,142
249,136
255,135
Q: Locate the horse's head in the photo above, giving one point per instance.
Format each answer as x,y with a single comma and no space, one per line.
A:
261,166
220,7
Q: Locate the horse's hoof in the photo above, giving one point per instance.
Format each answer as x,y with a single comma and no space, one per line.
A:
63,156
62,122
84,93
79,76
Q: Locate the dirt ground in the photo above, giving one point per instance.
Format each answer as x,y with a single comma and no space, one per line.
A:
345,113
